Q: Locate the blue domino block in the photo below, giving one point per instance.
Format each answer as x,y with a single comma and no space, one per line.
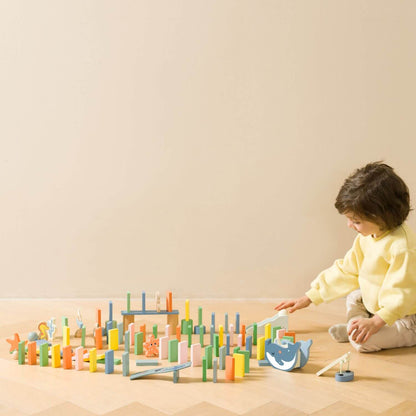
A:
109,362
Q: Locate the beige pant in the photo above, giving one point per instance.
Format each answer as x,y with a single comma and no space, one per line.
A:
401,333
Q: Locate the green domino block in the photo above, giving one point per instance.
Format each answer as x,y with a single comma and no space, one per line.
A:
204,368
255,334
173,350
128,301
155,331
199,316
288,338
138,343
184,326
217,345
201,335
64,321
22,352
43,355
208,354
246,360
189,335
83,330
114,324
236,350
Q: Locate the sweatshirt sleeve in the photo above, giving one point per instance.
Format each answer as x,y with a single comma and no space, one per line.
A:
340,279
397,296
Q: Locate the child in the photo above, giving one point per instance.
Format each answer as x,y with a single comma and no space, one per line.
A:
379,272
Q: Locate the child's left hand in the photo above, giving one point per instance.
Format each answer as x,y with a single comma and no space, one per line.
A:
362,329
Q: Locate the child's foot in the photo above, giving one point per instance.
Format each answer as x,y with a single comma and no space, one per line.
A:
339,332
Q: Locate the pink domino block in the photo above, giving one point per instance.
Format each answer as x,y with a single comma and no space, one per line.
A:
79,358
281,333
196,355
131,329
168,330
182,352
163,348
240,340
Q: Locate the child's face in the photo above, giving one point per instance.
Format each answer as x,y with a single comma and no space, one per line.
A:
363,227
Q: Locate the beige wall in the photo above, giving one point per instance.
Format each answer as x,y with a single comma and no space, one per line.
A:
193,145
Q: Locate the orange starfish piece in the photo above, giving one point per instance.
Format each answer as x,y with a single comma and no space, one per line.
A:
14,343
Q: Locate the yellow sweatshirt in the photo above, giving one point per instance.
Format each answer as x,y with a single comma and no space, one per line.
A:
384,268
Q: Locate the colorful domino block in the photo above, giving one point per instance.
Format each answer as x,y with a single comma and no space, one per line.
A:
173,350
183,352
109,362
113,339
56,355
79,358
138,343
67,357
93,360
196,355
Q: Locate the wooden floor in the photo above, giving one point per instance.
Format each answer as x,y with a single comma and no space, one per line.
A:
385,382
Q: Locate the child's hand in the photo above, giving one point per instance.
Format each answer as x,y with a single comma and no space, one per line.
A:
294,304
362,329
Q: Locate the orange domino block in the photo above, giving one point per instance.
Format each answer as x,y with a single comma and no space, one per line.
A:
169,302
67,358
178,333
98,332
143,329
31,353
229,368
291,334
98,317
243,332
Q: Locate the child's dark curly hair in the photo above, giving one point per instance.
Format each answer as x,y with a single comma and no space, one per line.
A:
375,193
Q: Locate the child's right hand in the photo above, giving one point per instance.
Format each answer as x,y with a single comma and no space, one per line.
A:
293,305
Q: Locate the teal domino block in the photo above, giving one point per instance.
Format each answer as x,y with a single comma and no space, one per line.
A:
126,364
127,341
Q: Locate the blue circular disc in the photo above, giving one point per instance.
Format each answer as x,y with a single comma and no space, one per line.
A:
344,376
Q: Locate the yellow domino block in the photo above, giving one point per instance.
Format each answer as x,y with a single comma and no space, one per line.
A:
221,335
65,341
56,355
239,365
260,348
93,360
113,339
267,331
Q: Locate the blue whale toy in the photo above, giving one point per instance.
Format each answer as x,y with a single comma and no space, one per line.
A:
288,356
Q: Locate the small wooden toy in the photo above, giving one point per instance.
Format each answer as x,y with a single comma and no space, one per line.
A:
182,352
288,356
93,360
78,332
14,343
109,362
31,353
43,328
229,368
52,328
151,347
126,364
67,357
341,376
